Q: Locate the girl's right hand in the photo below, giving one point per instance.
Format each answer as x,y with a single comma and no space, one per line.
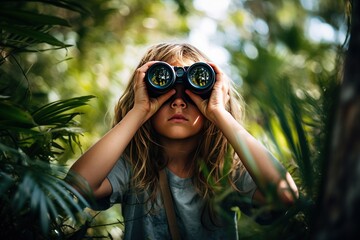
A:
142,102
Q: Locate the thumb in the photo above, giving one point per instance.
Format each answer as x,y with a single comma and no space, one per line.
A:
199,101
164,97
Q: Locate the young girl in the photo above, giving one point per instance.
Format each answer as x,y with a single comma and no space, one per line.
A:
199,143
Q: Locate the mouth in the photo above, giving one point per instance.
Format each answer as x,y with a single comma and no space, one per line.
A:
178,117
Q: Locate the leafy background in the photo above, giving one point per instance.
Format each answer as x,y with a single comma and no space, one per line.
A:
65,63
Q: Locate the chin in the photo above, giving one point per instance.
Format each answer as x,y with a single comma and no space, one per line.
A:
179,136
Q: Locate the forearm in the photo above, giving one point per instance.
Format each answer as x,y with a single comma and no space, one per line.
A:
96,163
256,158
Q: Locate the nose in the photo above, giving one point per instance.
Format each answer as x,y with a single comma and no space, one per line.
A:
178,100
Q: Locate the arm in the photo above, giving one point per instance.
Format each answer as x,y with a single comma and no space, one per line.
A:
96,163
255,157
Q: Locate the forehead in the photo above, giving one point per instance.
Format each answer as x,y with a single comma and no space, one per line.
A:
181,63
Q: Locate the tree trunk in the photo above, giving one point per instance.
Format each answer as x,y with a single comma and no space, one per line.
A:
338,216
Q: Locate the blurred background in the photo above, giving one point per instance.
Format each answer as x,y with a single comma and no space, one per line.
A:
284,56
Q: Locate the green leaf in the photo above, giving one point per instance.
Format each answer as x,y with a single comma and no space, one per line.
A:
82,201
66,4
303,148
55,112
59,198
43,213
67,199
5,183
11,115
32,34
23,192
35,196
57,146
30,18
49,201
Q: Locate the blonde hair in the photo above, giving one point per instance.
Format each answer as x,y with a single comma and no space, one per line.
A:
212,165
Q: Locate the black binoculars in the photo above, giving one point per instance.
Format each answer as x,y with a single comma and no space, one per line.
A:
162,77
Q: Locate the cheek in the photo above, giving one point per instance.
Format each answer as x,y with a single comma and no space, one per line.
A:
158,119
154,120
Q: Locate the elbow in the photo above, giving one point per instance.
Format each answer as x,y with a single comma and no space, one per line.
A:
80,184
289,196
288,191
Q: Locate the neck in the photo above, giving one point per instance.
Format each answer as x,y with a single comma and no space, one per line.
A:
180,155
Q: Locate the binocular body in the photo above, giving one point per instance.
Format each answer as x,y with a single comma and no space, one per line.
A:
162,77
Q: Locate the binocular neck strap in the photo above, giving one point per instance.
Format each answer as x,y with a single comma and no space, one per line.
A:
169,206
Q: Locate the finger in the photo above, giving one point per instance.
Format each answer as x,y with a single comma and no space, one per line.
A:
217,70
227,98
141,72
220,75
159,101
146,66
222,80
226,86
164,97
196,99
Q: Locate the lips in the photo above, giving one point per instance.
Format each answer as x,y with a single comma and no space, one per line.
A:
178,117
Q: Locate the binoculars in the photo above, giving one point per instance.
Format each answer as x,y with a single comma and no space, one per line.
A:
162,77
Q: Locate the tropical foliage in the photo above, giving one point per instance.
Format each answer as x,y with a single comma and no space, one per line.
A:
34,196
288,73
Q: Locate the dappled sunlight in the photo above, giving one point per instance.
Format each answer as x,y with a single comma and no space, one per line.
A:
196,120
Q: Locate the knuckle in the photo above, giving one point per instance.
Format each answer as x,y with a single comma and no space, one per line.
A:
138,71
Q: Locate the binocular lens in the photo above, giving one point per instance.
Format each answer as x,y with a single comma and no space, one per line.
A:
199,77
160,77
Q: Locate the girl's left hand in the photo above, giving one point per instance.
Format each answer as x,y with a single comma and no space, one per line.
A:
219,97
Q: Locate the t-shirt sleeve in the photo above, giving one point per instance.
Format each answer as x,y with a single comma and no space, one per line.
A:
247,188
245,184
119,178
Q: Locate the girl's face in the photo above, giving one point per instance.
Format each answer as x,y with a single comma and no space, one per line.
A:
178,118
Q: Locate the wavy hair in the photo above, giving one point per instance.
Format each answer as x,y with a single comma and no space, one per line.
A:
215,158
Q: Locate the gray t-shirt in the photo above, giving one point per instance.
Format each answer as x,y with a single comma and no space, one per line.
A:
144,222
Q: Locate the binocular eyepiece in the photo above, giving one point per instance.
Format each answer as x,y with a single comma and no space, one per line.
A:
162,77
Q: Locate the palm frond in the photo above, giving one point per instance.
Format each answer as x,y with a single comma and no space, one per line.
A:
65,4
30,18
14,116
57,112
41,191
31,35
37,188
